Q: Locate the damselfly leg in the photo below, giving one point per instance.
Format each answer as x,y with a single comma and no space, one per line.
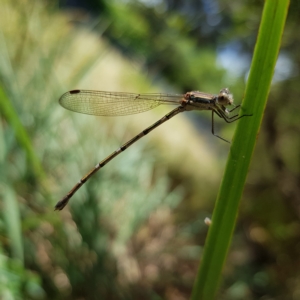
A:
223,114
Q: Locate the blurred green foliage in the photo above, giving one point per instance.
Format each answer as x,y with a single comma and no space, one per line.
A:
127,234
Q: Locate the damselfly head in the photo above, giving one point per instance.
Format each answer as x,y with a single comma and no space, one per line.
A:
225,97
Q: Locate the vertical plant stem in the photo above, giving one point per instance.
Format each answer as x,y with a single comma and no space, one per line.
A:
257,90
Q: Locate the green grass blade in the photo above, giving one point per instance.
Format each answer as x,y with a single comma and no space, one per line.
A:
12,221
257,90
13,119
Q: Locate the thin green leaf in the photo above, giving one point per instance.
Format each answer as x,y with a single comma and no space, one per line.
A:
12,118
226,210
12,221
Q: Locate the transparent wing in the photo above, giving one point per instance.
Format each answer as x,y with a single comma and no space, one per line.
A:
101,103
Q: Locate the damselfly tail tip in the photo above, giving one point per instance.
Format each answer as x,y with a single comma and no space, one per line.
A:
62,203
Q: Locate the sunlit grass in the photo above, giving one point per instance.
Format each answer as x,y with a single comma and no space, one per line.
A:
46,149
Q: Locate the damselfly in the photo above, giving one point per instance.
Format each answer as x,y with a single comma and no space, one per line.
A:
116,104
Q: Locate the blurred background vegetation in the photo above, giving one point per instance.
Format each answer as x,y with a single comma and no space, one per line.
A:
136,230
